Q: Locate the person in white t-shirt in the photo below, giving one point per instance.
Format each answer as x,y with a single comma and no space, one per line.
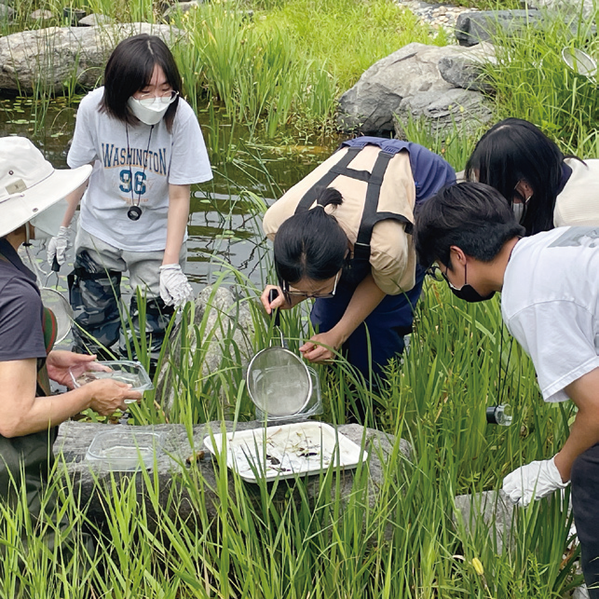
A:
146,147
549,287
545,188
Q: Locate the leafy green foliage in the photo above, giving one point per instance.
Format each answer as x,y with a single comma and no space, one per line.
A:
283,67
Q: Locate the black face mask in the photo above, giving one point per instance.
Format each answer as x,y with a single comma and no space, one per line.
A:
469,294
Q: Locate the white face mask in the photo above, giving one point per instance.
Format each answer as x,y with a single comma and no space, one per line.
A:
47,223
518,209
148,111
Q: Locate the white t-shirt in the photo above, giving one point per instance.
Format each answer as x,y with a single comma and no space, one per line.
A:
134,165
550,304
578,203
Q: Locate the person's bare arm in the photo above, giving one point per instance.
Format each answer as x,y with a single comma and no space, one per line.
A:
73,200
23,413
367,296
584,392
178,213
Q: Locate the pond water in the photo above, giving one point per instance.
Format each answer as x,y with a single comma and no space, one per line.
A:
223,227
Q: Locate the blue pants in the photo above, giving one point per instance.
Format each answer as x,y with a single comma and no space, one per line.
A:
387,324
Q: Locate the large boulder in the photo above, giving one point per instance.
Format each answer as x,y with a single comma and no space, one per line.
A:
183,456
414,81
220,336
576,8
493,511
54,57
454,110
475,27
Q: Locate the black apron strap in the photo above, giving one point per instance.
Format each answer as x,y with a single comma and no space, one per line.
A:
339,169
370,215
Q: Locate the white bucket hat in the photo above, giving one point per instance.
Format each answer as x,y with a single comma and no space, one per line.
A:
29,184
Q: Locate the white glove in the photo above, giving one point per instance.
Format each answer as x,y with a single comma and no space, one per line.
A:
57,247
533,481
175,289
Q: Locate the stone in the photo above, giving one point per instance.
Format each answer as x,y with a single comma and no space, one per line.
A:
584,8
180,8
409,83
41,15
497,512
369,105
172,464
95,20
581,593
49,57
466,69
6,13
475,27
227,329
456,109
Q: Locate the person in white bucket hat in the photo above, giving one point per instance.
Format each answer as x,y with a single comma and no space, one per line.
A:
31,190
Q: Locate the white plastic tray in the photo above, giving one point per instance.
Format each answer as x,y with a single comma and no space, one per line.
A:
286,451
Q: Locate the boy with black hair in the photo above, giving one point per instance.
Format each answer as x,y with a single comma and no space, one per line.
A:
550,304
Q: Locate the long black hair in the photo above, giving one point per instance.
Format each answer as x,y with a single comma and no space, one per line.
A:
311,244
515,150
130,69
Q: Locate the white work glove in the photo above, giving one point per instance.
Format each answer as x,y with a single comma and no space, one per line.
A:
533,481
175,289
57,247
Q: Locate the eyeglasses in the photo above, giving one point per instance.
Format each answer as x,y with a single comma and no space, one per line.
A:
165,97
288,291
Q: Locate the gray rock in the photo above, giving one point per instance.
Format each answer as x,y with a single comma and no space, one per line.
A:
465,69
402,81
475,27
171,466
95,20
49,57
6,13
41,15
180,8
497,512
369,105
456,109
584,8
227,329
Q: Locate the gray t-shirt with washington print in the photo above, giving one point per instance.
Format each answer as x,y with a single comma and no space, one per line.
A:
134,165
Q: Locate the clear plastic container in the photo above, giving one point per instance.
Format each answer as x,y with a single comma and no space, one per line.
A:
123,371
124,449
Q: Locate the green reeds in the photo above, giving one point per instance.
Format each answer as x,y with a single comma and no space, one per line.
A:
533,82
